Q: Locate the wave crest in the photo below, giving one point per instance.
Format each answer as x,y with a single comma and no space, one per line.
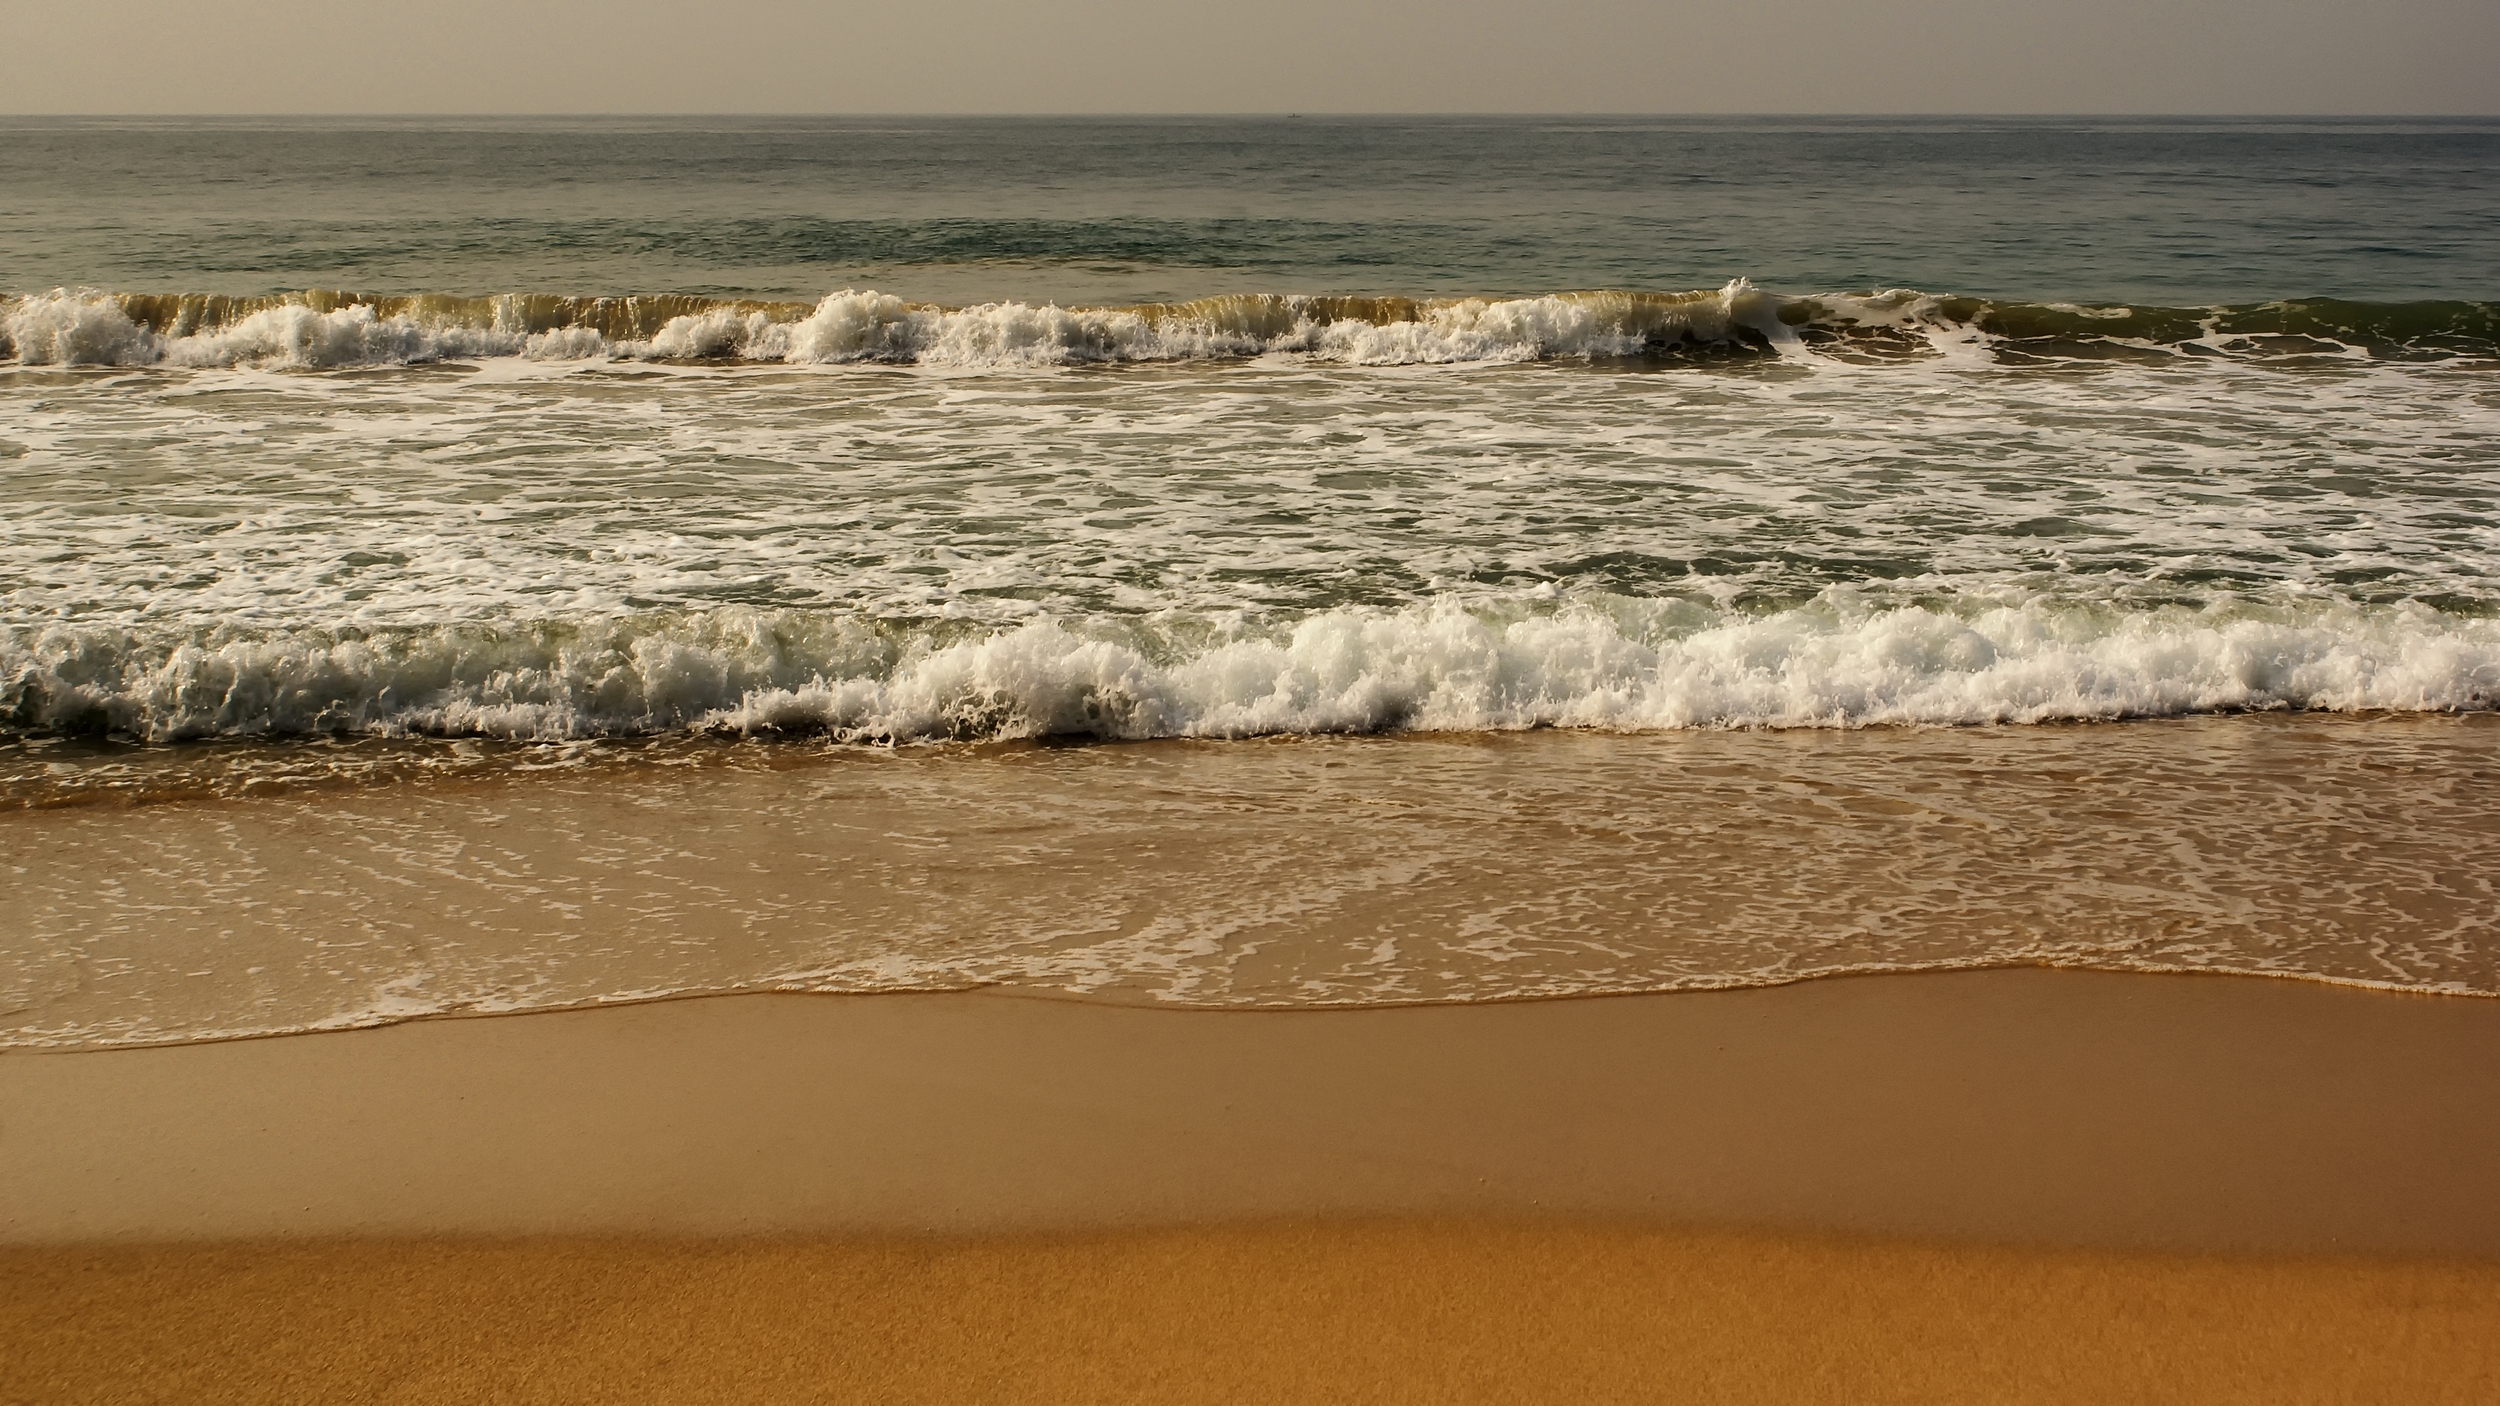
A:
1606,663
64,327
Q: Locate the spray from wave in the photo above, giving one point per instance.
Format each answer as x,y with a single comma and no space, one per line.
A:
326,329
1607,663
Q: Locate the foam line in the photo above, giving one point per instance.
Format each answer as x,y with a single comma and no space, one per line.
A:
1433,666
83,327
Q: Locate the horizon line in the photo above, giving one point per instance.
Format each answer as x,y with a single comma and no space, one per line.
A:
1290,114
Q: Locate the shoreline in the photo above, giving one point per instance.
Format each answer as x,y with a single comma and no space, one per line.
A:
2007,1187
1306,873
1130,1000
2018,1106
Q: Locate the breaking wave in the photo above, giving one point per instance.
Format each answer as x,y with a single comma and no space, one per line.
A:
1606,663
66,327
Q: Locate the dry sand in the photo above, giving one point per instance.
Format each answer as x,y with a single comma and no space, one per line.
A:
1993,1186
1282,1313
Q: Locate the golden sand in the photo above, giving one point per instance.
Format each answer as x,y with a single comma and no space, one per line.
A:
1421,1312
1992,1187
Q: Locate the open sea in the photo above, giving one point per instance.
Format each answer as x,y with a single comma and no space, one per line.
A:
463,565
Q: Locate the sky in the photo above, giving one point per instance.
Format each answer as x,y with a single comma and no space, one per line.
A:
1248,56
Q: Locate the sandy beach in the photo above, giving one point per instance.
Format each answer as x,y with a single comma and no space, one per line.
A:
1438,704
1442,1311
1206,1180
2010,1185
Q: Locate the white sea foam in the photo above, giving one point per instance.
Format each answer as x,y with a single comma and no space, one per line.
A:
65,327
349,336
1433,667
565,344
870,326
61,328
85,327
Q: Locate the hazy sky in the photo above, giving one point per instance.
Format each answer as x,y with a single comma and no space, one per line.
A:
480,56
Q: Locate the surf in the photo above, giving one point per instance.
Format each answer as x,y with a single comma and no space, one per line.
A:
1613,664
329,329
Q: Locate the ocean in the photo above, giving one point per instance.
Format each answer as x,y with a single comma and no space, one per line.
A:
485,565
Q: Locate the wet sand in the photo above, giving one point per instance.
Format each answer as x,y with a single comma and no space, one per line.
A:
1281,872
2000,1186
2207,1113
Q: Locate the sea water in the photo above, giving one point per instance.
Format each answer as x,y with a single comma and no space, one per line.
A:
365,454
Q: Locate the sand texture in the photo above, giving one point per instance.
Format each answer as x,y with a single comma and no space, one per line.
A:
1994,1187
2046,1106
1283,1313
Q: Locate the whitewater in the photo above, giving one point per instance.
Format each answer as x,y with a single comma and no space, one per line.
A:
1435,667
1729,508
84,327
515,564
